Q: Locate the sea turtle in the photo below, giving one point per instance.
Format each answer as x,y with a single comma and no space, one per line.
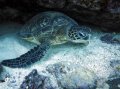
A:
46,29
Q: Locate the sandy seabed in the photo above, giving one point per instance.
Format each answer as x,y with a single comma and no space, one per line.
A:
95,56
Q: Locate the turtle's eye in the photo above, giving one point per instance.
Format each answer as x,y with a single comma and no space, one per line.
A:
83,35
84,32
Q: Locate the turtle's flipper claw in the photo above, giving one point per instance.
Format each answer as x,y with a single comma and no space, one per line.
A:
28,58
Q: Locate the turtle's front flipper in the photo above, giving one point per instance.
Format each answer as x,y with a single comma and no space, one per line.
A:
28,58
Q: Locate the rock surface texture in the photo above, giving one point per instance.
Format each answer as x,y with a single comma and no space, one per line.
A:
104,13
36,81
61,76
110,39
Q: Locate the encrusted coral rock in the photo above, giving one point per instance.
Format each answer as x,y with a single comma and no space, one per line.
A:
114,83
104,13
52,3
36,81
114,6
0,67
115,64
90,4
63,75
1,70
72,76
110,39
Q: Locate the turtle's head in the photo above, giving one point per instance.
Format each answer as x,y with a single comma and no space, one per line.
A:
28,36
79,34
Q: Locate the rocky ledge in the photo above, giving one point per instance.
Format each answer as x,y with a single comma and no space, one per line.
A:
103,13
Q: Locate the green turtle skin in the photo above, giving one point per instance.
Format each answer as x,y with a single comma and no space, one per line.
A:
46,29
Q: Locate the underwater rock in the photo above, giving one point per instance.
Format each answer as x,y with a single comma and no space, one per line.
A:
114,83
104,13
117,38
110,39
52,3
90,4
115,64
107,38
61,76
36,81
72,76
114,79
1,70
0,67
114,6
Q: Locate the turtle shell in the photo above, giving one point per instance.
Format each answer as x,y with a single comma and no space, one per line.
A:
47,24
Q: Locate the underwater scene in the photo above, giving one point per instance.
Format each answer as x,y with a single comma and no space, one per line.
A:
50,48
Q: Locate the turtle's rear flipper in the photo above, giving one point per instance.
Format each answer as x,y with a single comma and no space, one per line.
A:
28,58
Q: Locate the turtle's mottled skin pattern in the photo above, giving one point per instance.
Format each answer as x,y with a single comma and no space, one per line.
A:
28,58
45,29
